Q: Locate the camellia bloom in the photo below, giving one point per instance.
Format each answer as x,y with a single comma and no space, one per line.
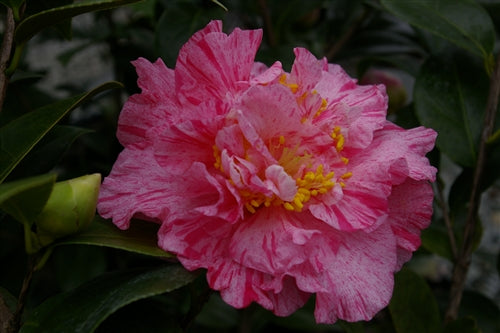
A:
281,185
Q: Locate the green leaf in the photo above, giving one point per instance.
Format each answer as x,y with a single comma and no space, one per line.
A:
33,24
483,309
219,4
14,4
19,136
413,307
83,309
450,96
435,240
141,237
45,155
24,199
462,325
463,22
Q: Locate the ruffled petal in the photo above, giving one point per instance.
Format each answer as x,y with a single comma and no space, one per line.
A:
136,185
361,110
144,112
206,70
359,274
410,211
258,244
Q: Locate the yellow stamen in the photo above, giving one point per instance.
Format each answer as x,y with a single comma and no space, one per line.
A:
294,87
346,175
340,143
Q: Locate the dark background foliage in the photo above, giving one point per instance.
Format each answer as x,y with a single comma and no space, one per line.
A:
442,51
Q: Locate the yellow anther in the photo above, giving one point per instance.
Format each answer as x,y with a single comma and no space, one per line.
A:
254,203
250,208
288,206
314,193
319,169
218,162
322,108
298,203
328,184
282,140
346,175
322,190
345,160
303,191
342,184
340,142
293,86
330,175
267,203
309,176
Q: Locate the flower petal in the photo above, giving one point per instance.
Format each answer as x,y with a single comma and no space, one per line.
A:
359,275
152,108
410,211
135,186
205,70
258,244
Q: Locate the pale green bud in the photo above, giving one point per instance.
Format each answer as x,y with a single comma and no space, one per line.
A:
70,208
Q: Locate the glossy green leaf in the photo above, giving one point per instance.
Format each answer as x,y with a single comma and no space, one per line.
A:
219,4
462,22
15,4
413,307
83,309
450,96
44,156
462,325
33,24
34,125
484,310
435,240
141,237
24,199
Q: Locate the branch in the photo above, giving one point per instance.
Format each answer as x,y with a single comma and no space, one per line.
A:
336,47
268,27
8,41
463,261
15,322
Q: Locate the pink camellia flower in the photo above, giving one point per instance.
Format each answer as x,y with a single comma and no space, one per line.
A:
281,185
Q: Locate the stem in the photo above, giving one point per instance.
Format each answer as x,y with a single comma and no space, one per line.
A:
268,27
15,323
5,315
336,47
8,41
463,261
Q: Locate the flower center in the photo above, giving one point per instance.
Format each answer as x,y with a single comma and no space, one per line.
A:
311,179
310,184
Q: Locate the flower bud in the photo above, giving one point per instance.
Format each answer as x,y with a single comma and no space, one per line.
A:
393,85
69,209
